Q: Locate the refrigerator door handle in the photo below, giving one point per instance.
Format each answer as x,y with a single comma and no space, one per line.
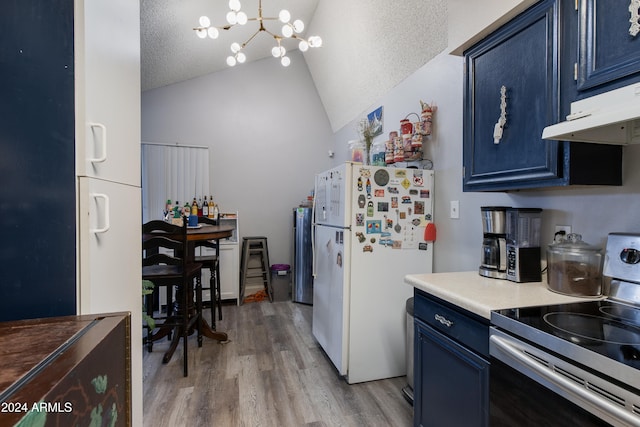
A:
313,235
103,133
107,222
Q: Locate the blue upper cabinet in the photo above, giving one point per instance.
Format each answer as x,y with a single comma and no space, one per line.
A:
511,95
519,80
609,43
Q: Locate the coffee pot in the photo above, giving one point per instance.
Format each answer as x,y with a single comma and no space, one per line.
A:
493,258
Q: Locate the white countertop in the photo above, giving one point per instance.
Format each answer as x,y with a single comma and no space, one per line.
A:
481,295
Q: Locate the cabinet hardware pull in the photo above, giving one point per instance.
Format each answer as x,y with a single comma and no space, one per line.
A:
103,130
448,323
634,29
107,223
502,121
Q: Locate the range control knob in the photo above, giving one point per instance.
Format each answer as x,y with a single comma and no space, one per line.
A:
630,256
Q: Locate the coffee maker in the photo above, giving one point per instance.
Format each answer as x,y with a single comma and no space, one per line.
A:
523,244
493,260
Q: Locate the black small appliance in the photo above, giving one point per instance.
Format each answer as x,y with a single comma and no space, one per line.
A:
523,244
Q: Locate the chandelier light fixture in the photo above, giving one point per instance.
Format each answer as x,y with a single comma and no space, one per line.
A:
290,30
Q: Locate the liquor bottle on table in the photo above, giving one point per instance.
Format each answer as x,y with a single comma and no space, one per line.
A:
216,214
194,207
205,207
210,215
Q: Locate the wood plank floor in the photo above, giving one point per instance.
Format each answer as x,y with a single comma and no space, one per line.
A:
271,373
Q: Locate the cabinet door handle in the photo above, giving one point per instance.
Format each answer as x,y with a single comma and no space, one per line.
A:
634,29
502,121
446,322
103,131
107,222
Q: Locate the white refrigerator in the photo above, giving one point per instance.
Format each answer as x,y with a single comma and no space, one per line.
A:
369,225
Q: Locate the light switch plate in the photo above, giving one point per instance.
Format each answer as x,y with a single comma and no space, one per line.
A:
454,209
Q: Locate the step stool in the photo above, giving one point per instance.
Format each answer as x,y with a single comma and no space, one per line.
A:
255,264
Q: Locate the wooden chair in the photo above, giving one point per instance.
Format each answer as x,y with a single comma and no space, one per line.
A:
211,262
165,263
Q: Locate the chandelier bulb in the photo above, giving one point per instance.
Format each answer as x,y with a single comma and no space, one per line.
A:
287,31
242,18
232,18
235,47
298,26
231,61
234,5
201,33
303,46
213,32
241,57
284,16
315,41
285,61
204,21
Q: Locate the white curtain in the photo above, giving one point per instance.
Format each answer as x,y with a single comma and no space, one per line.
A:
176,172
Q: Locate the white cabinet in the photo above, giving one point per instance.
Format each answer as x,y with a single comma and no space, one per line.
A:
107,136
107,89
229,262
110,270
229,272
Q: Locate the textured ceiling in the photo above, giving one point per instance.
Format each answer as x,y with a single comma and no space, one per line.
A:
369,47
172,52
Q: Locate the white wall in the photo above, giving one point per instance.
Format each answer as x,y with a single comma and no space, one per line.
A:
592,212
268,135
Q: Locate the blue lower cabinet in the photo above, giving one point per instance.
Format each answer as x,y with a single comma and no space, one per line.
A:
452,382
451,365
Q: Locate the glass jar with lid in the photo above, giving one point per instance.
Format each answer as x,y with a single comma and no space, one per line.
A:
377,155
574,267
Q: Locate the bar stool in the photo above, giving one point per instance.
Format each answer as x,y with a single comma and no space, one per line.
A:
212,263
255,249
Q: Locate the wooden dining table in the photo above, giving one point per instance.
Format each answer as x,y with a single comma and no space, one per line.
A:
208,232
203,232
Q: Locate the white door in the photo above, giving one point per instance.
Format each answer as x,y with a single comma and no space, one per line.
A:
330,295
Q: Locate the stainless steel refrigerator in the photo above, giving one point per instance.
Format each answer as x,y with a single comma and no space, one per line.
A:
302,256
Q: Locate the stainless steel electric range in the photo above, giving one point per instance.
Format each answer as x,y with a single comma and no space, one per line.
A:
572,364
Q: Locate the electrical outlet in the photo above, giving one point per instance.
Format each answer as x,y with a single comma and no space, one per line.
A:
454,209
565,228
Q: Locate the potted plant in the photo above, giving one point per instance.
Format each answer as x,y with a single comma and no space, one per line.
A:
366,131
147,289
